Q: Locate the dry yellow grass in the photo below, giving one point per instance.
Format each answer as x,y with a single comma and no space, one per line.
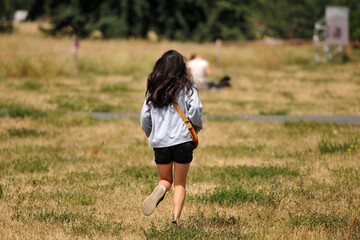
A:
304,177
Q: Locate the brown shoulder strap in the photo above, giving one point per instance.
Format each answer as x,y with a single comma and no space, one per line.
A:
180,111
188,124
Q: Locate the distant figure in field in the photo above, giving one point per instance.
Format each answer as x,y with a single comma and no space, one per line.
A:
200,69
173,146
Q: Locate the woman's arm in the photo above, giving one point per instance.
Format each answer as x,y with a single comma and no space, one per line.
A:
145,119
195,110
208,71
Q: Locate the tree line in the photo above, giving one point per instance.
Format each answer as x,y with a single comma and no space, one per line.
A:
183,20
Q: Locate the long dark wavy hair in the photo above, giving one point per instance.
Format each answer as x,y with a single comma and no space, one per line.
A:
169,76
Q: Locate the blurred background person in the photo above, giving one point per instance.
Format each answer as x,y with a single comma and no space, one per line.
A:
199,69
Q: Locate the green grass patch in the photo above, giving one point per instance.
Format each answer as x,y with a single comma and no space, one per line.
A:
83,103
326,146
34,159
288,95
279,112
31,164
141,148
347,177
199,227
82,199
62,118
116,88
84,120
221,118
217,220
231,151
92,226
319,219
53,217
144,177
30,85
233,195
72,198
15,110
241,104
80,225
239,173
80,177
322,80
87,64
309,125
236,103
141,173
36,68
25,132
257,104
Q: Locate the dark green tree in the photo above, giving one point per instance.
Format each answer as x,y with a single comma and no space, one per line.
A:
5,16
185,20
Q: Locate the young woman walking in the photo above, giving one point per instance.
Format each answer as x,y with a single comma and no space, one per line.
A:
170,81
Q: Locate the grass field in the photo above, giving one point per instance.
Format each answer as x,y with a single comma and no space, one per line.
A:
66,176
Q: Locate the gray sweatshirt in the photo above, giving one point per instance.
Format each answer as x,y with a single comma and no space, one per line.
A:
164,126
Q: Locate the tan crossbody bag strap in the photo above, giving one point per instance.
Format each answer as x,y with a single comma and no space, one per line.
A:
189,125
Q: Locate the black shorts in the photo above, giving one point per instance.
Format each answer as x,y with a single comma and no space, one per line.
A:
181,153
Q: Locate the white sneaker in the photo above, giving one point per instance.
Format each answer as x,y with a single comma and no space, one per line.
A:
153,200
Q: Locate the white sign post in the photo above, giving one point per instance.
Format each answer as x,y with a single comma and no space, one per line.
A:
331,33
75,50
337,26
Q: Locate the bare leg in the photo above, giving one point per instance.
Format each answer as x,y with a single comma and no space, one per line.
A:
180,174
151,202
165,175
